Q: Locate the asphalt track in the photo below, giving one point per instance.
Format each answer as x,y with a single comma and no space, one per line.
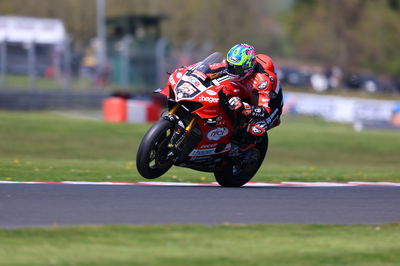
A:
31,205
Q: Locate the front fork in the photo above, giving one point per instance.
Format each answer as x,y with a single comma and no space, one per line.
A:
175,144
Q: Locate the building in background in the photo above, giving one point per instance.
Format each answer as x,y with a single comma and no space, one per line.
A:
32,46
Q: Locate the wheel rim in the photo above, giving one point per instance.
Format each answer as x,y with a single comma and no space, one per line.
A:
246,164
159,150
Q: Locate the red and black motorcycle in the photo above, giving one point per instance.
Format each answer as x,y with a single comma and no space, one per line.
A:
199,131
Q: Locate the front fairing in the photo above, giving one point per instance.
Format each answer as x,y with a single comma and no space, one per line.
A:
198,94
198,71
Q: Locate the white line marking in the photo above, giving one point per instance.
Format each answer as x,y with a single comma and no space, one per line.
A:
250,184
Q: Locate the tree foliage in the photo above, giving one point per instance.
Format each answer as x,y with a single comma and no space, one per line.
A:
223,22
349,33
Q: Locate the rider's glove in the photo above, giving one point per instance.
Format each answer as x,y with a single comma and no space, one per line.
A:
246,109
235,103
259,112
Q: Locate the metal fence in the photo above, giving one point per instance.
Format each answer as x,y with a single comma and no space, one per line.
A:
35,76
131,65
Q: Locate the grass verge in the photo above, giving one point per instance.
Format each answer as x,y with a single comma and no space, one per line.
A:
203,245
46,146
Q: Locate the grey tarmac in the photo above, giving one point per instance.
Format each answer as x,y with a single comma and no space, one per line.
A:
36,205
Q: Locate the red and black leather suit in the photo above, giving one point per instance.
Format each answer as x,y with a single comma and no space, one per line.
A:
260,95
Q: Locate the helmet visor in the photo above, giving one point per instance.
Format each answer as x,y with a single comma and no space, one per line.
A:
235,70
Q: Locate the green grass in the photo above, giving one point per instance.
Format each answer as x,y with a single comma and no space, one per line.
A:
47,146
203,245
23,83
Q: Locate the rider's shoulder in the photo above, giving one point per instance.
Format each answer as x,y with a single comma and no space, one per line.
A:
265,62
259,78
264,81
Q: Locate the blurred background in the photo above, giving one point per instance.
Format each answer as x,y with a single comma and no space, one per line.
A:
73,54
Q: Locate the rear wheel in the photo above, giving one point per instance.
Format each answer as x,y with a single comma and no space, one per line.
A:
237,171
151,156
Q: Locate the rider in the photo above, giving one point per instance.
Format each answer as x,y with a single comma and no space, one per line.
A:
257,94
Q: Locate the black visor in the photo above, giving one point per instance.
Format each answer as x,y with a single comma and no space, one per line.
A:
235,70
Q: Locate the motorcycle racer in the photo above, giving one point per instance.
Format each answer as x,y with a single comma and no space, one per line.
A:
257,94
204,129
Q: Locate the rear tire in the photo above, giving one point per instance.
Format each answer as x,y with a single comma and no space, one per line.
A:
151,156
238,171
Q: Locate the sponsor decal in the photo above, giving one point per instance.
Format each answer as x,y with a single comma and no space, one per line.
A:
233,59
179,75
256,130
217,133
210,111
172,81
210,151
194,81
223,78
215,66
211,92
263,85
200,75
257,110
214,81
208,99
202,152
208,146
186,89
212,122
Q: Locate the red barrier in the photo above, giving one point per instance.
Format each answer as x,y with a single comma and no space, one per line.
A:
114,109
153,112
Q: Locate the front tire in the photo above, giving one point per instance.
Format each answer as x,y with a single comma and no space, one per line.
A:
238,171
151,156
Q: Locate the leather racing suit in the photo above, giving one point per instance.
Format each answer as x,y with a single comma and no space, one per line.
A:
258,97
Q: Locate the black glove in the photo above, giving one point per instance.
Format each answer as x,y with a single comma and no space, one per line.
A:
235,103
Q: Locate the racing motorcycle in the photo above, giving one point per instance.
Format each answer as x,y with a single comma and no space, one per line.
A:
199,131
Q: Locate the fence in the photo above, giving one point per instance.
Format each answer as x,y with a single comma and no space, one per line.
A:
132,65
37,76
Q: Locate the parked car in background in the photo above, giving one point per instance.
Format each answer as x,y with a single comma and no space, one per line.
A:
364,82
293,77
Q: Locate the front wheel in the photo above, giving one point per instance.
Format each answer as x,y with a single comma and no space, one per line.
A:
239,170
151,159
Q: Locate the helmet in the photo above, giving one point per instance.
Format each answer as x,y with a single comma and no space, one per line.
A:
241,61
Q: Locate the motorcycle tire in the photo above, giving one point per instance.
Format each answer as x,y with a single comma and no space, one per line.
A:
151,156
237,172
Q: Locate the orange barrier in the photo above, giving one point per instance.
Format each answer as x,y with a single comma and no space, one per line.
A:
114,109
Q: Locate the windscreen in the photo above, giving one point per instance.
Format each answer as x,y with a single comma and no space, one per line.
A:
204,65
